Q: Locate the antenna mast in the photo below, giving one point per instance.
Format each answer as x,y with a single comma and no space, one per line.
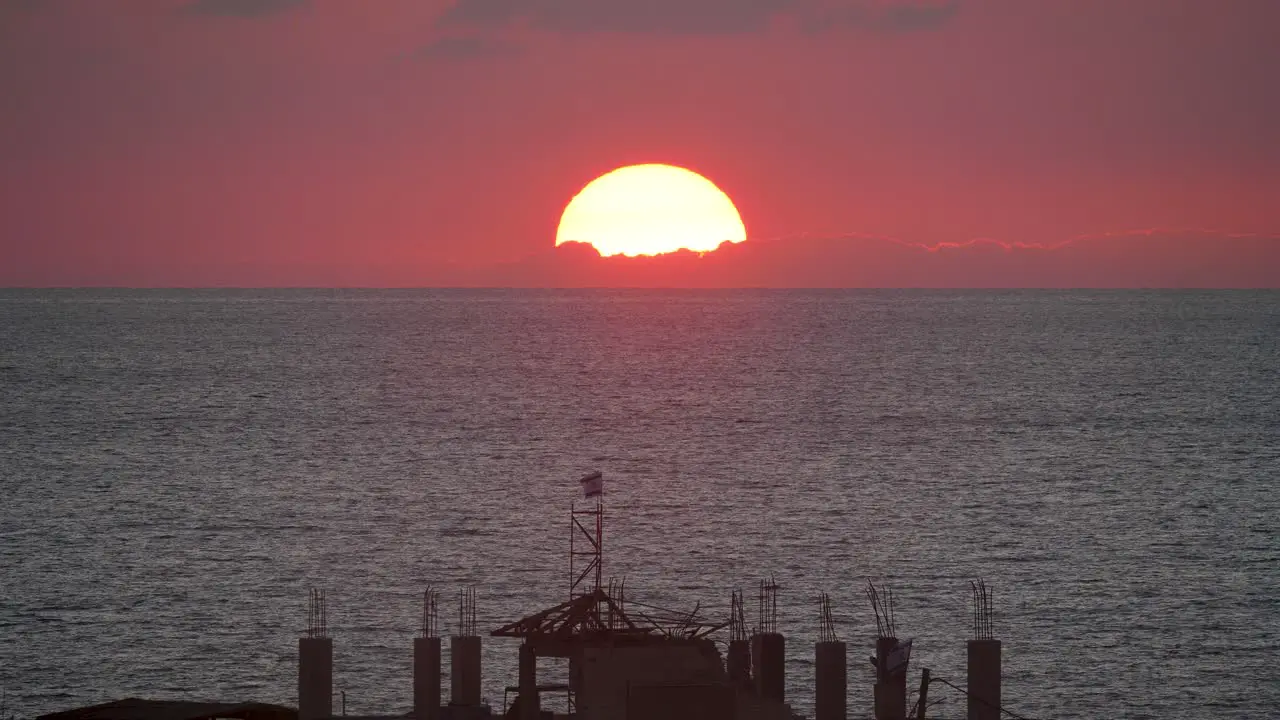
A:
586,540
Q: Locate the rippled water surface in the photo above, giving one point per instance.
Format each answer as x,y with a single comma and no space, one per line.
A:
178,468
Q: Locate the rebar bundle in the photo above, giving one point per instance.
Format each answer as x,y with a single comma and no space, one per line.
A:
430,614
826,626
882,605
317,615
982,627
737,617
467,612
768,603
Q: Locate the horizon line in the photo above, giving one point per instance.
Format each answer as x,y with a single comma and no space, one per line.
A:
1152,288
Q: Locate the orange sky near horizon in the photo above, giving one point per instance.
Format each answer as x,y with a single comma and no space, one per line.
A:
294,142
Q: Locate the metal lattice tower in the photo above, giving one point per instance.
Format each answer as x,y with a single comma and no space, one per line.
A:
826,626
317,615
982,628
586,550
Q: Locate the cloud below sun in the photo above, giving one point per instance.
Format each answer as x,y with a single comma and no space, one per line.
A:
1142,258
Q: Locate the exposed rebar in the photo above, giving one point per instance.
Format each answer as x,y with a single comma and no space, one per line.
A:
430,614
467,612
827,626
768,606
882,606
317,615
983,628
737,617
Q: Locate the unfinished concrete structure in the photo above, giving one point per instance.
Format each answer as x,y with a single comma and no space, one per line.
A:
830,668
830,682
891,659
464,670
769,647
632,661
983,659
768,665
530,702
315,663
464,655
426,661
664,679
738,662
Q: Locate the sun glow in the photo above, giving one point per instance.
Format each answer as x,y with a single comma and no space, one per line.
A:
650,209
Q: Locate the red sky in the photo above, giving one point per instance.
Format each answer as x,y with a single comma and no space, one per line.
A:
425,142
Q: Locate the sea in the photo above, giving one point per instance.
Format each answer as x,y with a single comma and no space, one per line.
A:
179,468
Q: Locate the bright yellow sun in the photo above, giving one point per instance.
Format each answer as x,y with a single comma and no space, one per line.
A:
650,209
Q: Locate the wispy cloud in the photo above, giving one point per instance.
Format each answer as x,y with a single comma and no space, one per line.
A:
1200,234
240,8
468,47
894,17
1142,258
12,9
697,17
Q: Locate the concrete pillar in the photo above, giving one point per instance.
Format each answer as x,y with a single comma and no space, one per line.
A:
575,671
884,646
530,703
464,670
769,665
892,698
577,684
891,704
739,664
984,680
830,680
315,678
426,678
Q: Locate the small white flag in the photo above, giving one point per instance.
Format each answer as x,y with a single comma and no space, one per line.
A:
593,485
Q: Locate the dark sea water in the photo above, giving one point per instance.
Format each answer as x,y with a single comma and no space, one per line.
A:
179,468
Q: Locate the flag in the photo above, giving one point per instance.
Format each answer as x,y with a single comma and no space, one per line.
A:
593,485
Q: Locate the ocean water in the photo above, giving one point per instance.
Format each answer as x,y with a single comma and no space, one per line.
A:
179,468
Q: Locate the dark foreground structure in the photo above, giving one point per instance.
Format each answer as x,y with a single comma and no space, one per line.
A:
626,661
139,709
635,661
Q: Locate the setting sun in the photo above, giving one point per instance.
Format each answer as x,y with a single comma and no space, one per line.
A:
648,210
